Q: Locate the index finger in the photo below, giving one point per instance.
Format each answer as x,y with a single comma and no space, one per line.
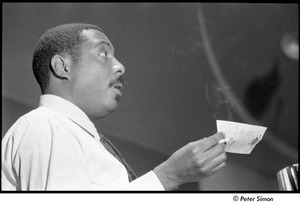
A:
213,140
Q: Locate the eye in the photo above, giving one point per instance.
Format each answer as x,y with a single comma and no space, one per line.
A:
104,54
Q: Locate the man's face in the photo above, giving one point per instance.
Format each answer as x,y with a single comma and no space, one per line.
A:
95,77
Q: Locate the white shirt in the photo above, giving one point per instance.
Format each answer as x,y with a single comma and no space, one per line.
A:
57,147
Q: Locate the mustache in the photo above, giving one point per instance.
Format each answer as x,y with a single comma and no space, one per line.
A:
119,80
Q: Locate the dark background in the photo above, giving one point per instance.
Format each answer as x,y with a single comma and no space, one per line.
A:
172,95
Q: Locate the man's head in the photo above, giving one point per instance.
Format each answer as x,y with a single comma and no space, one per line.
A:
77,62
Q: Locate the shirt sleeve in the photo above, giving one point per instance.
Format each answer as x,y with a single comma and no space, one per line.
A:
42,155
147,182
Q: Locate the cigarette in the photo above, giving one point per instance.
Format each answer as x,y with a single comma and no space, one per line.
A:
224,141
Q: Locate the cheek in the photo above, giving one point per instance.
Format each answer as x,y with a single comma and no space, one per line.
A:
94,78
99,88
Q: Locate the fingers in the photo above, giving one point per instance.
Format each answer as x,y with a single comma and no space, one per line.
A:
217,168
209,166
212,140
215,151
216,161
214,157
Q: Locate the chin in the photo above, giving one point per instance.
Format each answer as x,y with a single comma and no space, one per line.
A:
99,114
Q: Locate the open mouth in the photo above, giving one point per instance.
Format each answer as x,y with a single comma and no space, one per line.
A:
118,84
119,87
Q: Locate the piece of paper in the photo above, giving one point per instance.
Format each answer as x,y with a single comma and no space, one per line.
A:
240,138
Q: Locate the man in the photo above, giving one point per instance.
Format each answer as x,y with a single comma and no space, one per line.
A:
57,147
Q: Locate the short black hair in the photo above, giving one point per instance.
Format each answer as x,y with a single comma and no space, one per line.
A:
61,39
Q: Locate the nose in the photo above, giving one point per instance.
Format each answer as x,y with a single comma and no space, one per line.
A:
118,68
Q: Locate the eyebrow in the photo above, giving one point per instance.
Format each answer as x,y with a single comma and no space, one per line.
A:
106,43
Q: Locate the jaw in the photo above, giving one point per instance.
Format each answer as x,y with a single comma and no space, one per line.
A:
106,107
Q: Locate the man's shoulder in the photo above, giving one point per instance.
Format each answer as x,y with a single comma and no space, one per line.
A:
39,112
40,115
25,127
39,120
36,128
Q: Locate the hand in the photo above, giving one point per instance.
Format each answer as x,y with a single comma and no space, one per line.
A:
192,162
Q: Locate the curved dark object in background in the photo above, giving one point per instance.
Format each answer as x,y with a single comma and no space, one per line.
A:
277,143
260,92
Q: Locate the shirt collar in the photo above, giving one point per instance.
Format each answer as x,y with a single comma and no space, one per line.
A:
69,110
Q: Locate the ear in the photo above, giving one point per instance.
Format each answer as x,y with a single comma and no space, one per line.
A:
60,67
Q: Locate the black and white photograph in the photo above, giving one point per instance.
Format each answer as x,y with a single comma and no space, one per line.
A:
151,97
